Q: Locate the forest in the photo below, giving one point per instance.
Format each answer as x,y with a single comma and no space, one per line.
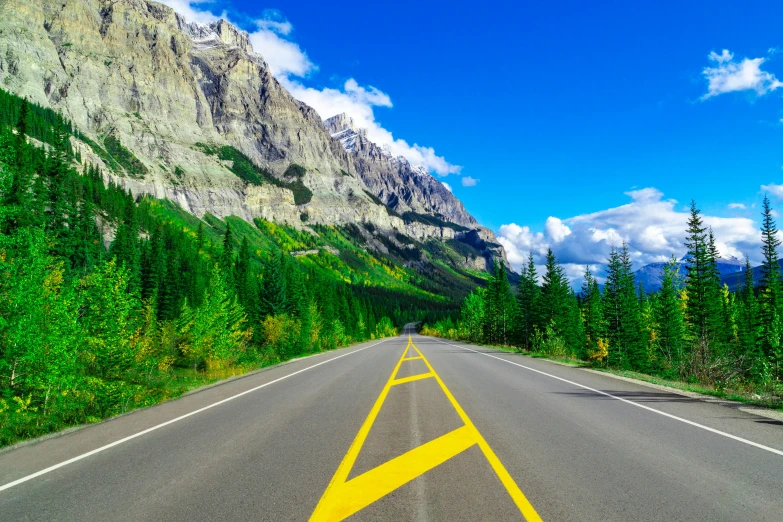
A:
110,302
692,330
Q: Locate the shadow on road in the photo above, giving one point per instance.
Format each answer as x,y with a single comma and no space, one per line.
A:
662,397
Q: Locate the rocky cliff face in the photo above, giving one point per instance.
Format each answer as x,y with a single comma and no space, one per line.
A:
402,186
136,71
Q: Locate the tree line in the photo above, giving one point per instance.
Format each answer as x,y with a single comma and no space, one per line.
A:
692,329
106,306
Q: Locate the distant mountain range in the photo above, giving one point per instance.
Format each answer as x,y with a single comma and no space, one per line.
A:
651,276
734,281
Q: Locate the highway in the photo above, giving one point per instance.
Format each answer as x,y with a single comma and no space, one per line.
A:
409,428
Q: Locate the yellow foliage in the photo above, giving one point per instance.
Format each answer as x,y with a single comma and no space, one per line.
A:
601,351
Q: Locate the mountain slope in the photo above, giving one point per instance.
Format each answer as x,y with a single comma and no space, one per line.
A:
402,186
191,113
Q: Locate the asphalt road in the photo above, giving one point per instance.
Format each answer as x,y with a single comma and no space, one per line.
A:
391,431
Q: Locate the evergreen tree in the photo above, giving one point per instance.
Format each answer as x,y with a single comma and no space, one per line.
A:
273,291
626,343
529,300
242,276
227,257
747,323
668,320
592,314
699,281
769,302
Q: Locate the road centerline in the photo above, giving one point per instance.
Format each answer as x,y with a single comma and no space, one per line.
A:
343,498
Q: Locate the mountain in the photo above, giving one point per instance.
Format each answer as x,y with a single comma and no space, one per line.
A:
190,113
736,280
650,276
400,185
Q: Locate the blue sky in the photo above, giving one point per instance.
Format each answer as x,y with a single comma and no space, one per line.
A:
559,110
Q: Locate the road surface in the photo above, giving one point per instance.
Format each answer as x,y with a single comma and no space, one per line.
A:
409,428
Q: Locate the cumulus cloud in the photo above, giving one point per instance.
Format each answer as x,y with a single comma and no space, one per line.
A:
651,225
467,181
519,242
358,102
283,56
556,229
738,206
774,189
730,75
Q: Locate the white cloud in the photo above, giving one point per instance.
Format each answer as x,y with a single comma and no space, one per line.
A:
358,103
448,187
728,75
739,206
556,229
283,56
774,189
290,65
274,20
519,242
650,224
190,10
467,181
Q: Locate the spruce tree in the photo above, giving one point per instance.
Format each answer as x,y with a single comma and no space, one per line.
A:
592,314
227,257
700,277
668,319
747,323
529,300
770,327
273,291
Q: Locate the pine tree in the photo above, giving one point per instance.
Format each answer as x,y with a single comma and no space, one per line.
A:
227,257
632,338
747,323
668,320
770,327
623,323
529,301
592,314
700,276
273,291
242,276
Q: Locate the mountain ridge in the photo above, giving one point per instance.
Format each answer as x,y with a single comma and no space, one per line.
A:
135,73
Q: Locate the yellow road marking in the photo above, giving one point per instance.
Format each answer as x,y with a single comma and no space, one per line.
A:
375,484
343,497
403,380
411,358
505,478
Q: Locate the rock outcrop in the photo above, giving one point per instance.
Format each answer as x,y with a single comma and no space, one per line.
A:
402,186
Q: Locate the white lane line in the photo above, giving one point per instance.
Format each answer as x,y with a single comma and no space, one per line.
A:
172,421
659,412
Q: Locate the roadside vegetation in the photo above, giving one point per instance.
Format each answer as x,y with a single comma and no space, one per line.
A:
693,331
110,302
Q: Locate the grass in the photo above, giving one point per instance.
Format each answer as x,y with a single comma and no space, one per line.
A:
745,397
